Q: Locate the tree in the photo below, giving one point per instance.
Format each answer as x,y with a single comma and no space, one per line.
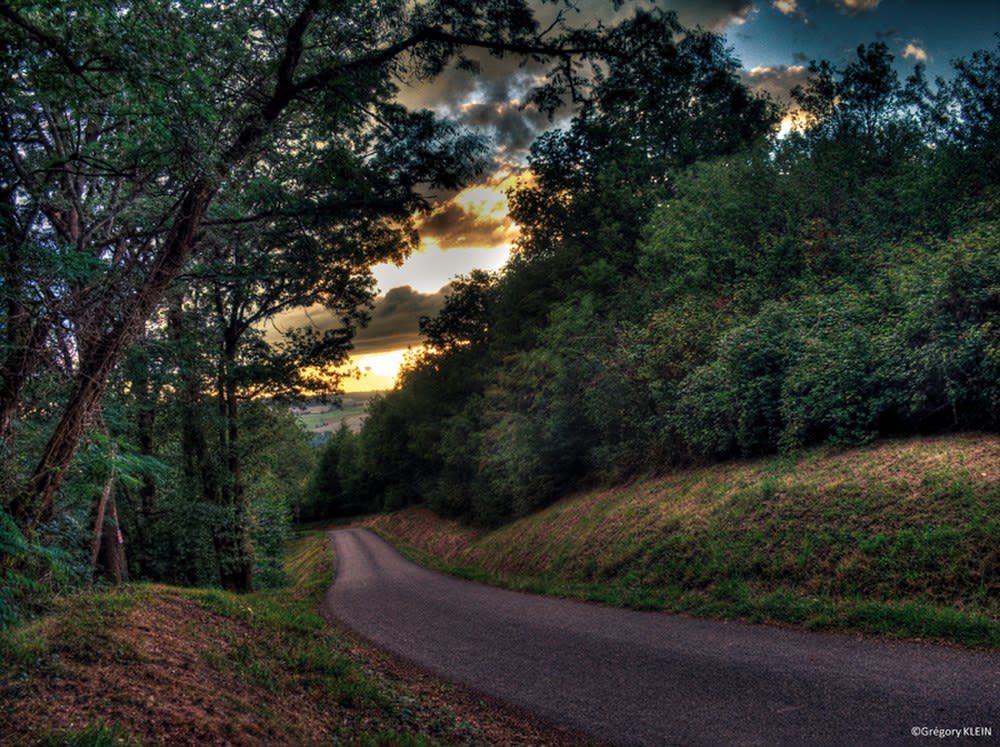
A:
131,130
516,400
862,99
671,99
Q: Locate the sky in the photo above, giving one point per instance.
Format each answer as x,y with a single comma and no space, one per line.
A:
774,41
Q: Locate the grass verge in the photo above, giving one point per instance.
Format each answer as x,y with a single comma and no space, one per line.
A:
899,539
150,664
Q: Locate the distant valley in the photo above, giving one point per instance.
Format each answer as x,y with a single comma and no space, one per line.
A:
326,417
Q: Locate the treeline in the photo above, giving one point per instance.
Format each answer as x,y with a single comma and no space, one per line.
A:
173,177
690,287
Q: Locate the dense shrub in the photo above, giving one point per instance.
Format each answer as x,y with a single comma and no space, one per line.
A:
834,286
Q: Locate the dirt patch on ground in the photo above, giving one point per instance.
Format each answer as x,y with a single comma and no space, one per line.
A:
168,678
167,692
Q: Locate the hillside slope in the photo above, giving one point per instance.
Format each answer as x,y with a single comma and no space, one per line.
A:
902,537
152,665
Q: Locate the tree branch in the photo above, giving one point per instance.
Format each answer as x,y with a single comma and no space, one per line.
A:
432,34
48,40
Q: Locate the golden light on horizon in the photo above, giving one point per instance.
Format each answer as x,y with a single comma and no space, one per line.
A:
471,230
377,370
488,202
786,126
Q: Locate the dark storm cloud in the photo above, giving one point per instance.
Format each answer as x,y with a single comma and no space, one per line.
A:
709,14
455,227
498,79
489,102
715,14
395,320
490,99
514,128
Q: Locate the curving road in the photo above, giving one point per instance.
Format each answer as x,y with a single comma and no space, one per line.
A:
653,678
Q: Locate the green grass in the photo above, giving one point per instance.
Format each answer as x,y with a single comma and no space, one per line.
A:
290,636
277,642
901,539
98,734
79,627
327,416
315,420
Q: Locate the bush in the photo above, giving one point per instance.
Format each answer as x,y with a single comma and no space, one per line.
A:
28,572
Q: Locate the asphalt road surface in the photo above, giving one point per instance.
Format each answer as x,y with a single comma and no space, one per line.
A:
654,678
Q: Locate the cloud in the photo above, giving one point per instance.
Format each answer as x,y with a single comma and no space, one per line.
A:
394,320
917,53
715,15
490,99
787,7
854,7
498,79
513,128
777,81
710,14
452,226
474,217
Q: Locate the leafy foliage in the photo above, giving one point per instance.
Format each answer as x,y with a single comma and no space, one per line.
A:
173,176
28,571
688,289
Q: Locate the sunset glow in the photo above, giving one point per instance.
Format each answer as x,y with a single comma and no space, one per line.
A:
486,201
470,231
431,268
378,370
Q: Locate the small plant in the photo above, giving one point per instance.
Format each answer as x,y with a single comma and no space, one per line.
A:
97,734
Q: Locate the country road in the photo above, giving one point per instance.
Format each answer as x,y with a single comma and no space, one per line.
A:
651,678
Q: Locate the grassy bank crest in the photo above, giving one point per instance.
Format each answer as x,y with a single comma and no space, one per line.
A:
901,539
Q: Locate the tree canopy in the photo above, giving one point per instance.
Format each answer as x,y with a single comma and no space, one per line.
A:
180,170
688,286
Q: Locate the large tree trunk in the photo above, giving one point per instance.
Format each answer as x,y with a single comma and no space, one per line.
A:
106,551
100,359
99,514
142,547
113,547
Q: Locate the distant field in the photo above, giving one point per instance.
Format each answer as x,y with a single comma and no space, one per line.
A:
324,417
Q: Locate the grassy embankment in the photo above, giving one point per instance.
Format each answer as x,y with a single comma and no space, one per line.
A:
899,539
150,664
